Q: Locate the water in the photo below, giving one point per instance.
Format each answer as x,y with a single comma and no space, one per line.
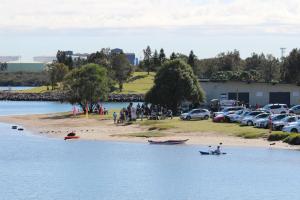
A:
14,88
36,107
40,168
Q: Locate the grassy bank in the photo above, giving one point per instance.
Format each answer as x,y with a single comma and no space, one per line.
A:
207,126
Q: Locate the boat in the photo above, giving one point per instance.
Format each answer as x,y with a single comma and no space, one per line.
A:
169,142
211,153
20,129
14,127
71,137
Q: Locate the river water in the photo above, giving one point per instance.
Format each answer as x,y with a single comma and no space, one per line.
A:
39,168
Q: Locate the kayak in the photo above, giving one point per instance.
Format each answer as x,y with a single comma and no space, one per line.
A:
211,153
169,142
71,137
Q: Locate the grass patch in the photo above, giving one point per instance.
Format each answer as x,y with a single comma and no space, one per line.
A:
40,89
139,83
277,136
293,139
204,126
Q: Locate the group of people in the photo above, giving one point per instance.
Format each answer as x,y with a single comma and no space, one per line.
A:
132,113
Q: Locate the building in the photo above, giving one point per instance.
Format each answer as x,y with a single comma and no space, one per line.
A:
25,67
252,93
44,59
130,56
9,58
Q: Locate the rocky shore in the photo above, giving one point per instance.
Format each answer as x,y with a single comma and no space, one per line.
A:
60,96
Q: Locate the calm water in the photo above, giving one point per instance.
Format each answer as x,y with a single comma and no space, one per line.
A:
36,107
39,168
15,88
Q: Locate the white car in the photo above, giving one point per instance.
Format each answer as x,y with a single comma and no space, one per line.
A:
276,108
293,127
248,118
251,117
196,114
278,125
264,122
226,110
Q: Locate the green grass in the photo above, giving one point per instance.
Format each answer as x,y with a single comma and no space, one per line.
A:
205,126
293,139
139,83
40,89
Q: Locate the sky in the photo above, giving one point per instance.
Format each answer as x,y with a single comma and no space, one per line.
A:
39,28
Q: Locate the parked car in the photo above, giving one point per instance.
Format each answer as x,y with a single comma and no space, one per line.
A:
276,108
293,127
265,122
228,109
248,119
295,110
240,117
195,114
234,117
261,117
278,125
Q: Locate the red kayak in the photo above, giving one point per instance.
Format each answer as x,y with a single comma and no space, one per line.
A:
71,137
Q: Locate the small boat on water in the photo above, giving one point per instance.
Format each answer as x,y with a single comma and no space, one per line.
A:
168,142
14,127
71,137
211,153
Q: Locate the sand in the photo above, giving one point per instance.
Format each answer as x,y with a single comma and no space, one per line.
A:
53,125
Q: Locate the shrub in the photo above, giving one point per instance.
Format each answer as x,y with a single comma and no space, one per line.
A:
278,136
293,139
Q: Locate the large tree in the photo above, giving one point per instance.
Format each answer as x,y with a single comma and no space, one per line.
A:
65,59
230,61
57,72
291,67
192,61
147,59
122,69
87,85
162,56
174,83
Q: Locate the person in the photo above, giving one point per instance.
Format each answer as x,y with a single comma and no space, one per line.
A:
115,117
217,151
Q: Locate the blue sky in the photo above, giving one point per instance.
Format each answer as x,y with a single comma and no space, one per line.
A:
34,28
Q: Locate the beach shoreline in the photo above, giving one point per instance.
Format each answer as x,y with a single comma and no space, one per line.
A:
55,126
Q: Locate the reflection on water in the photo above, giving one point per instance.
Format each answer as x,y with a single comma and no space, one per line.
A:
33,167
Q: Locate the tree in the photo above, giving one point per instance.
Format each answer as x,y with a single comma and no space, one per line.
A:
291,67
3,66
65,59
102,57
270,69
147,58
230,61
86,86
122,69
57,72
173,56
192,61
162,56
155,60
174,83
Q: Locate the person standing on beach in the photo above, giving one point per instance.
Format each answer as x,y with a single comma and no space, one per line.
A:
115,115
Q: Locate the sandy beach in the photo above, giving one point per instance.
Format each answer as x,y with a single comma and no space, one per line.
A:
54,125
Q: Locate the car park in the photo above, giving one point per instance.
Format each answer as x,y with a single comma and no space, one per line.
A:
276,108
195,114
278,125
295,110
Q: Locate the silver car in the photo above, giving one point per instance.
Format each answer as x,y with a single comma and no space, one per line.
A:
195,114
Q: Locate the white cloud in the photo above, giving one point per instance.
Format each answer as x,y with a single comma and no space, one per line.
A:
269,16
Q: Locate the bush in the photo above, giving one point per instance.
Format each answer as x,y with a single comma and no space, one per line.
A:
293,139
278,136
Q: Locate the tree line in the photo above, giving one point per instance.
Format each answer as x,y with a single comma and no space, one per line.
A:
230,66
